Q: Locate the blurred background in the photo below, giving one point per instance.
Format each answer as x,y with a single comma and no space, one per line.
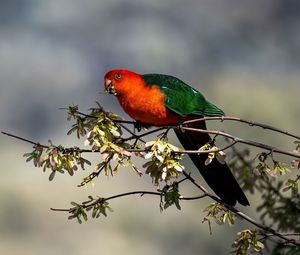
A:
243,55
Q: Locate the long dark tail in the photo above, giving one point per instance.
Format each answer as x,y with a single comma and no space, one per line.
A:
218,176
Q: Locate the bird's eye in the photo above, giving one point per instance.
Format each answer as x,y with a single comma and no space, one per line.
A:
117,76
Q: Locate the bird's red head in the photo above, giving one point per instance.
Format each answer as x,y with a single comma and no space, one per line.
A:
118,80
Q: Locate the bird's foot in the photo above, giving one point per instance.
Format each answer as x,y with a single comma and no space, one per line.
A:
138,126
180,126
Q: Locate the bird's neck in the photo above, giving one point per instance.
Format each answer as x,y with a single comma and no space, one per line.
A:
131,89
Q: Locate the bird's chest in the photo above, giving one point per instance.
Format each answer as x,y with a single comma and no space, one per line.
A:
147,106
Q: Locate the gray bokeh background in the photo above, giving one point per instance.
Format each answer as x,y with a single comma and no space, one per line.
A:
243,55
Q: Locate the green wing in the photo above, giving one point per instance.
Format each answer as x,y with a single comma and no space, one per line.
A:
182,98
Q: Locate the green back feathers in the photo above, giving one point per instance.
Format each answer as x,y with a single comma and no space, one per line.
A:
212,110
182,98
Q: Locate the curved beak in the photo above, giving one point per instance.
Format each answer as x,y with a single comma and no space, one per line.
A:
109,87
107,83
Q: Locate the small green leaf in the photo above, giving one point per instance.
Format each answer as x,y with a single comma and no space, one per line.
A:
52,175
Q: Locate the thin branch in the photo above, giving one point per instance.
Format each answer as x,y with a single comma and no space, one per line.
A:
190,151
240,140
269,231
204,190
208,151
144,134
95,174
128,149
241,214
119,121
141,193
222,118
25,140
132,133
285,234
113,119
251,123
234,138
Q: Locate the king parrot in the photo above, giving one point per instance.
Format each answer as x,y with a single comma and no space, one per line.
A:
164,100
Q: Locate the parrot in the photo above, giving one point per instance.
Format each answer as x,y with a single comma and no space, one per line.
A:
164,100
